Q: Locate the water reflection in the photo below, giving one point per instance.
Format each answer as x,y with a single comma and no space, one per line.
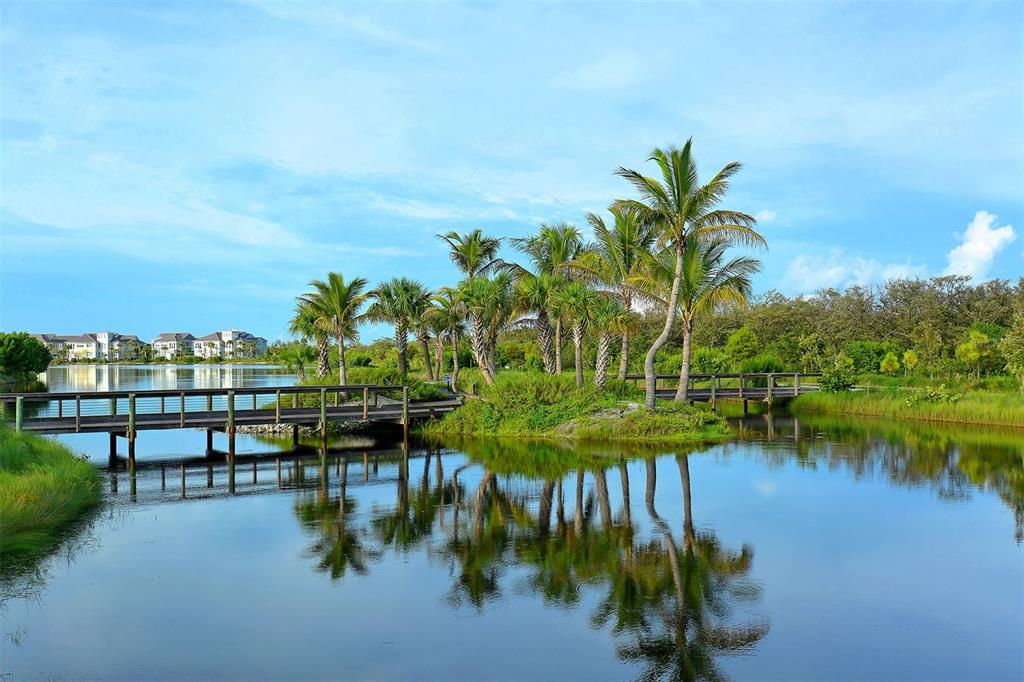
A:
114,377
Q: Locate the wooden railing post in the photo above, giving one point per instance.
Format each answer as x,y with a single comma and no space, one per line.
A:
323,411
78,413
405,411
277,406
771,385
231,425
19,413
366,402
796,383
113,406
181,419
714,401
131,431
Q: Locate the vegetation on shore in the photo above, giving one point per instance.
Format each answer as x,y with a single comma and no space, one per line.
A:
992,408
550,407
44,489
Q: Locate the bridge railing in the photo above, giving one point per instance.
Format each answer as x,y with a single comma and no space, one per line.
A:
797,381
66,405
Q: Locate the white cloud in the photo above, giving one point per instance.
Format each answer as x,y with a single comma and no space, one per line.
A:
808,273
612,71
979,245
765,216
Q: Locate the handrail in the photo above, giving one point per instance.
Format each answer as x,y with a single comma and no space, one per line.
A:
189,392
741,375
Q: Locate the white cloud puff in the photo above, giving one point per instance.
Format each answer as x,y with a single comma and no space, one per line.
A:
979,245
765,216
808,273
614,70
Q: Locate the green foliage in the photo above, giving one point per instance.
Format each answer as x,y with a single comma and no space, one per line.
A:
978,352
551,406
762,362
44,489
867,356
1012,346
838,377
973,407
21,354
910,360
933,395
380,376
742,345
890,364
709,361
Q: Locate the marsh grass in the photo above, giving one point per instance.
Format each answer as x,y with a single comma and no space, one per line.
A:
44,490
544,406
991,408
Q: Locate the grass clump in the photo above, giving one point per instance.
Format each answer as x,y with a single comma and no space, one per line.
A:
991,408
44,490
545,406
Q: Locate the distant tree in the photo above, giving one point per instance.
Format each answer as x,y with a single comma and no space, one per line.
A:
397,301
890,364
609,317
575,302
304,325
337,304
975,351
742,345
710,361
1012,346
929,345
22,354
910,361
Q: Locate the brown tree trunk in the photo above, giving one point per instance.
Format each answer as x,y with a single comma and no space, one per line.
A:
402,345
476,333
455,362
577,342
558,346
323,357
670,318
624,355
439,355
684,371
577,520
684,478
544,340
425,347
342,370
604,350
605,507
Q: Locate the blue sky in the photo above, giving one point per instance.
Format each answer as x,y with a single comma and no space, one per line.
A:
170,166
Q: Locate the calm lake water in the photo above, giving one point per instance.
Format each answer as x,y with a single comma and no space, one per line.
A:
803,549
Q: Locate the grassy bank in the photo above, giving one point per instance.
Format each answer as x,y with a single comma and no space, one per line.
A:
44,490
542,406
990,408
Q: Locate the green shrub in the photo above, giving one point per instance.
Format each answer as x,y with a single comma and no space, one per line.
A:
21,354
743,344
709,361
838,376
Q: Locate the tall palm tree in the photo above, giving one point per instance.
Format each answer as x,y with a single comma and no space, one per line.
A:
448,314
550,251
707,281
608,317
575,303
533,295
396,302
619,254
680,209
303,324
488,303
473,253
337,305
420,323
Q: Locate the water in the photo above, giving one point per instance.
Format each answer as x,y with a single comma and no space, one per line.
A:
811,549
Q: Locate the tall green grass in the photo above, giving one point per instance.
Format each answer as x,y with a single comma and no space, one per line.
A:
44,489
544,406
974,407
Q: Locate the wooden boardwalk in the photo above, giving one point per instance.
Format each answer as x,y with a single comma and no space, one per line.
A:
126,413
767,387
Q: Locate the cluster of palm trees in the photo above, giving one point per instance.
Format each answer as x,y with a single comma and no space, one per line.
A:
666,250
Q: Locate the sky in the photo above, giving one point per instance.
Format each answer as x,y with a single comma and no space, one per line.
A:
192,166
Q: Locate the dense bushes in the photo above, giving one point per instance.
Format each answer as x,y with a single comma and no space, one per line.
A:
20,354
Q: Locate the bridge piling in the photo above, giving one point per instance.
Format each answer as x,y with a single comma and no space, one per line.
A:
19,414
131,432
231,429
209,442
295,436
113,445
405,412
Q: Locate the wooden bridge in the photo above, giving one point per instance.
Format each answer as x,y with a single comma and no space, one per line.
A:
125,413
767,387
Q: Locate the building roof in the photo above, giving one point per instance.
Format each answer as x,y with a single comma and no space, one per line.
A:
174,336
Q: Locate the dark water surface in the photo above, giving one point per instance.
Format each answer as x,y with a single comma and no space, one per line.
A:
803,549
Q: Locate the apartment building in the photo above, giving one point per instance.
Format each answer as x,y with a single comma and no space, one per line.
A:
173,344
230,343
105,345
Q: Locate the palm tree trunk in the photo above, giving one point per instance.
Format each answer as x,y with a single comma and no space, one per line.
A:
544,340
425,347
670,318
455,362
402,346
439,355
476,329
605,507
624,355
627,513
684,371
558,346
544,513
342,370
604,350
577,342
577,519
323,357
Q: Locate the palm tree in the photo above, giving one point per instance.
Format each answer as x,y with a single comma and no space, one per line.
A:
575,302
449,314
680,209
420,323
337,305
551,250
609,317
707,281
533,294
303,323
295,357
488,303
396,302
473,253
618,255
